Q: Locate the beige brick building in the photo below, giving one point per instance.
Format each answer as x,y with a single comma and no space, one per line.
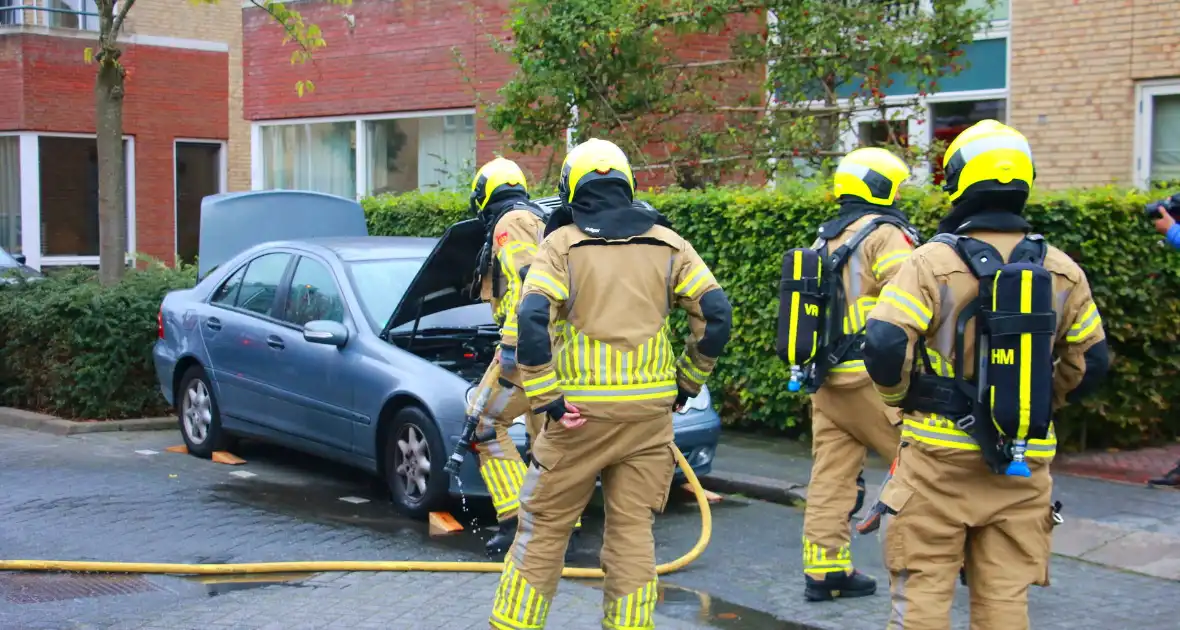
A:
1095,85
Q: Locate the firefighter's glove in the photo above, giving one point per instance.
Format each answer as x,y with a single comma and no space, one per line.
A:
554,410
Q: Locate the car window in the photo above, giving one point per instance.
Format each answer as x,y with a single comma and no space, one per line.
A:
313,295
6,260
261,283
380,285
227,293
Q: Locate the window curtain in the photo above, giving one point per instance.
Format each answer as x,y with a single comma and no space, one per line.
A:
10,193
446,152
318,156
1165,139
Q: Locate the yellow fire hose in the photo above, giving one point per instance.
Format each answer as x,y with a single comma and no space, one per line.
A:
362,565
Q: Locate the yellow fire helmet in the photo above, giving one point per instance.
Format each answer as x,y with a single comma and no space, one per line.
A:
593,160
990,156
495,175
872,174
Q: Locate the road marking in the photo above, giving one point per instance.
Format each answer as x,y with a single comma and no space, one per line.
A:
355,500
148,452
244,474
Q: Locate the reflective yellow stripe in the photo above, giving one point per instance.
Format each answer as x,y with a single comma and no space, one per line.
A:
592,367
888,260
1088,322
796,274
691,284
849,367
635,611
909,305
691,371
542,384
619,393
817,559
543,280
889,398
518,606
938,431
1026,280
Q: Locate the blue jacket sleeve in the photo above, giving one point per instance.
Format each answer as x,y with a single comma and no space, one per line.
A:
1174,235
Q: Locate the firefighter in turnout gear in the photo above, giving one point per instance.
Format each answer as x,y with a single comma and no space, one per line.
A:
858,252
499,197
980,337
603,284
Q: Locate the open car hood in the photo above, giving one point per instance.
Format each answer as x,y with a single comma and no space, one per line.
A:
447,279
234,222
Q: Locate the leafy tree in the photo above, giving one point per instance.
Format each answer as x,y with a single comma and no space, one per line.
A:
109,89
621,68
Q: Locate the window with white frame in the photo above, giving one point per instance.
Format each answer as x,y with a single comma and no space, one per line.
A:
67,14
999,9
1158,133
10,194
948,119
372,155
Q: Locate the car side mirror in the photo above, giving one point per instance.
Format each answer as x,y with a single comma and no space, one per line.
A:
19,258
325,332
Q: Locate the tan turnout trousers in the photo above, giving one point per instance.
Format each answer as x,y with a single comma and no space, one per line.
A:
637,464
955,512
500,463
843,422
848,416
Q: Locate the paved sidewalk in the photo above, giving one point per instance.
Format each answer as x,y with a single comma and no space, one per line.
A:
377,601
1117,525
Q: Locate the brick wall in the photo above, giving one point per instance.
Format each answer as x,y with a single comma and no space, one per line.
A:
401,56
171,92
220,22
1074,68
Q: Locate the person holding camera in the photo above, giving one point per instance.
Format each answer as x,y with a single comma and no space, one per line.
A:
1163,214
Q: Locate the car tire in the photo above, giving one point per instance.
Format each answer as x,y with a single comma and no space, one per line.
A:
198,414
414,461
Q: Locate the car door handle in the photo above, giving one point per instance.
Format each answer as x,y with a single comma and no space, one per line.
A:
275,342
213,323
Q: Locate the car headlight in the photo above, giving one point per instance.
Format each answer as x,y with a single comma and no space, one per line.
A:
700,402
518,419
470,397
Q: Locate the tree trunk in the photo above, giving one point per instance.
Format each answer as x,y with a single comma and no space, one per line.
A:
112,170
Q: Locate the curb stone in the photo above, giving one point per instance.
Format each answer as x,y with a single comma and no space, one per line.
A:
1147,553
761,488
33,421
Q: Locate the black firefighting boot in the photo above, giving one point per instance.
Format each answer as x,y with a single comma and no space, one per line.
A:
499,544
860,495
839,584
1170,478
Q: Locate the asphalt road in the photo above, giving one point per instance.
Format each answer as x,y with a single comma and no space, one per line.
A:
95,497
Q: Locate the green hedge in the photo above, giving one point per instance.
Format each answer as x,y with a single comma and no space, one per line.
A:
73,348
742,234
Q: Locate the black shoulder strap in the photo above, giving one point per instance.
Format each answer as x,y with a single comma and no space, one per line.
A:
984,260
840,256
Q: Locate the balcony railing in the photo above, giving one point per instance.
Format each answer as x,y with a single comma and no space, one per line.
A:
65,14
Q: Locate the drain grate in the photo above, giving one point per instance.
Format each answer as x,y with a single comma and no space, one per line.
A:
36,588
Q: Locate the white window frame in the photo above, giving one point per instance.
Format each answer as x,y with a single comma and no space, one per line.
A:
257,171
30,199
222,179
1145,93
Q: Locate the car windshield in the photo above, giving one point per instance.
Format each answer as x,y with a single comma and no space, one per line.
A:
380,285
6,260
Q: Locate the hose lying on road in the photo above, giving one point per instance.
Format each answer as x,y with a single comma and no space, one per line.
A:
363,565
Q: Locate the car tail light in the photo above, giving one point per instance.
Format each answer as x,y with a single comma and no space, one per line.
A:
160,323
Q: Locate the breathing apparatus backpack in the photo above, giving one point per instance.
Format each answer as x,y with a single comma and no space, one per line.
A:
485,253
812,304
1010,399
